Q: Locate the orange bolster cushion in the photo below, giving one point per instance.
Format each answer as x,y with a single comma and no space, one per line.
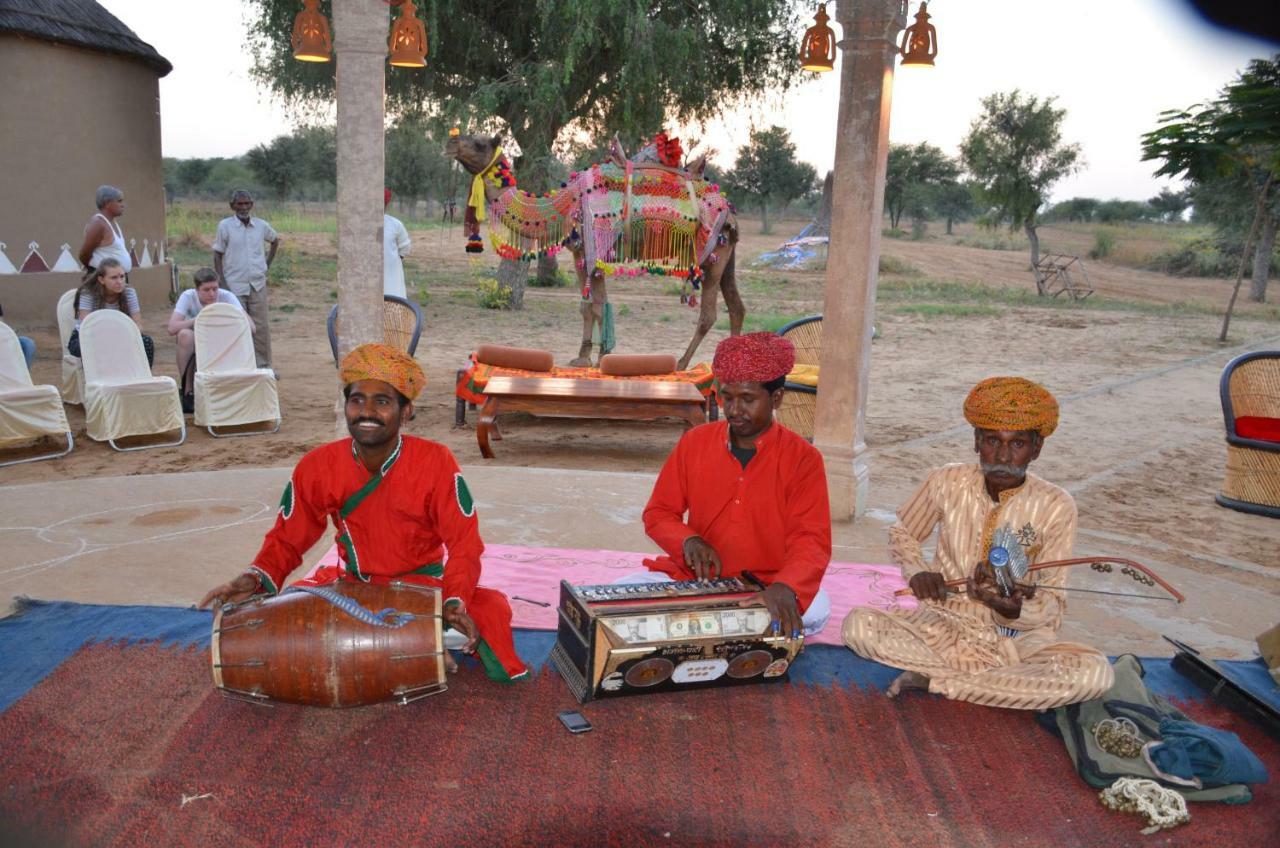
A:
636,364
521,358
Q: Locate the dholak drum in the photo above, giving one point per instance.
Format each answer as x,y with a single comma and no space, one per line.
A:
340,645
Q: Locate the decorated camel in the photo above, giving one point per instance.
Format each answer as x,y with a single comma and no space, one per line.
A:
617,218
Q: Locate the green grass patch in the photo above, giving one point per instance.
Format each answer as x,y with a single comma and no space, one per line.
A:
764,322
937,292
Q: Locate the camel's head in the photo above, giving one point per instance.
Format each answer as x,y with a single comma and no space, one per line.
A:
473,151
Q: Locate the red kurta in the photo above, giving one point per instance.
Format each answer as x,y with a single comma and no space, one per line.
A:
770,518
421,507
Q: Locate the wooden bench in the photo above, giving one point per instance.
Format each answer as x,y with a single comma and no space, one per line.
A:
561,397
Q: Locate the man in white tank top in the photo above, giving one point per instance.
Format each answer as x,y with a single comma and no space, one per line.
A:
103,238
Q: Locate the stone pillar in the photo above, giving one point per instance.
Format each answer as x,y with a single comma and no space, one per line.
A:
868,30
360,30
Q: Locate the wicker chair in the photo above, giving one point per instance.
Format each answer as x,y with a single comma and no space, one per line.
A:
1251,389
799,402
401,325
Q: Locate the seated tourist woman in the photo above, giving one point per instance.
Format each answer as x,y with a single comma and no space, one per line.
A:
106,288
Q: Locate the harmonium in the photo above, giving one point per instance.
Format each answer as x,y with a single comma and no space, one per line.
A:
637,639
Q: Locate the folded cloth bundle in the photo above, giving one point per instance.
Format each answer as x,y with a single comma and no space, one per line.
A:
1193,751
805,375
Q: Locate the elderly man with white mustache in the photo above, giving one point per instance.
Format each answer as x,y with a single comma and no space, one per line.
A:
986,645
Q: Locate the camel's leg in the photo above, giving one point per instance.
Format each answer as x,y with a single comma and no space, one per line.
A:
583,358
599,299
706,317
729,288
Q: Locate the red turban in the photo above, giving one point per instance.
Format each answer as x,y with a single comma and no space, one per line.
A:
386,196
382,362
753,358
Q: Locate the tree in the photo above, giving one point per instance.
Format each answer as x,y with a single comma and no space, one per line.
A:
192,174
1170,205
536,69
954,202
766,172
1075,209
280,165
912,173
1236,135
1014,151
416,166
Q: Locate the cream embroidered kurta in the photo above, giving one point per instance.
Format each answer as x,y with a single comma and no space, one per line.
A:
966,650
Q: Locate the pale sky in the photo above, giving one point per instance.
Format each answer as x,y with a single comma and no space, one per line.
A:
1113,64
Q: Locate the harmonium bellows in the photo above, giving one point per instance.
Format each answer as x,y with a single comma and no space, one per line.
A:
615,640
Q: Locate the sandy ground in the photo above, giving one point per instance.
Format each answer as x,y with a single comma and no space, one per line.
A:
1140,443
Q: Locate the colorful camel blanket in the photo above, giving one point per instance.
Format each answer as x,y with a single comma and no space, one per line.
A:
472,381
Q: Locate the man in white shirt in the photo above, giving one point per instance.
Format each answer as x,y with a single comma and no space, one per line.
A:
183,320
395,246
241,260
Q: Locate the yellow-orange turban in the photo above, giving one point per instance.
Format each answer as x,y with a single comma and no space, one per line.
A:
385,363
1011,403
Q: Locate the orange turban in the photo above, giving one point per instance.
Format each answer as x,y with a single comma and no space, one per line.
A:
753,358
385,363
1011,403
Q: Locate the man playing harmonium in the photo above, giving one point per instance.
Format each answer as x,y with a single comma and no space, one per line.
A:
755,493
397,502
979,645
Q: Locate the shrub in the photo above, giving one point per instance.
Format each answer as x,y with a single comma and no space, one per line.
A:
1104,244
492,294
894,265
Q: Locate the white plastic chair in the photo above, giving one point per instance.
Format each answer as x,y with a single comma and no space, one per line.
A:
230,390
27,412
72,368
121,397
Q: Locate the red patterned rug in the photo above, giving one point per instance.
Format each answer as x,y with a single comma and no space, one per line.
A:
128,745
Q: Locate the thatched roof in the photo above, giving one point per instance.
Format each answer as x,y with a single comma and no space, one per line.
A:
81,23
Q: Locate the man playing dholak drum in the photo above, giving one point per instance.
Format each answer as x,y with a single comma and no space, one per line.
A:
755,493
397,502
979,645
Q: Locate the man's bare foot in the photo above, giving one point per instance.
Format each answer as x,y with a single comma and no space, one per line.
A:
907,680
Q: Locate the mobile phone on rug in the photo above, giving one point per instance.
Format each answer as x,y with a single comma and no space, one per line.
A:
574,721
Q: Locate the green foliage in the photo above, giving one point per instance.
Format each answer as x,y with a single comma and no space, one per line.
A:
1075,209
559,279
1015,152
954,202
281,271
766,172
1169,205
1233,144
914,173
491,294
416,166
598,66
302,164
1104,244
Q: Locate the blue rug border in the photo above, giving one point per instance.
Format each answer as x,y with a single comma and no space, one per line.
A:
40,635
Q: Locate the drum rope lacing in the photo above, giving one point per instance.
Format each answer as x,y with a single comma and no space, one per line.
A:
389,617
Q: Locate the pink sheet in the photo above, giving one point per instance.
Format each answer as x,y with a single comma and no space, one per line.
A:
531,577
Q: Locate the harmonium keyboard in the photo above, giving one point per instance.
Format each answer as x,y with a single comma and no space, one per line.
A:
641,638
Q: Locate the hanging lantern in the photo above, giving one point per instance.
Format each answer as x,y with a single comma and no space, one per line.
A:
919,41
818,48
311,40
408,45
